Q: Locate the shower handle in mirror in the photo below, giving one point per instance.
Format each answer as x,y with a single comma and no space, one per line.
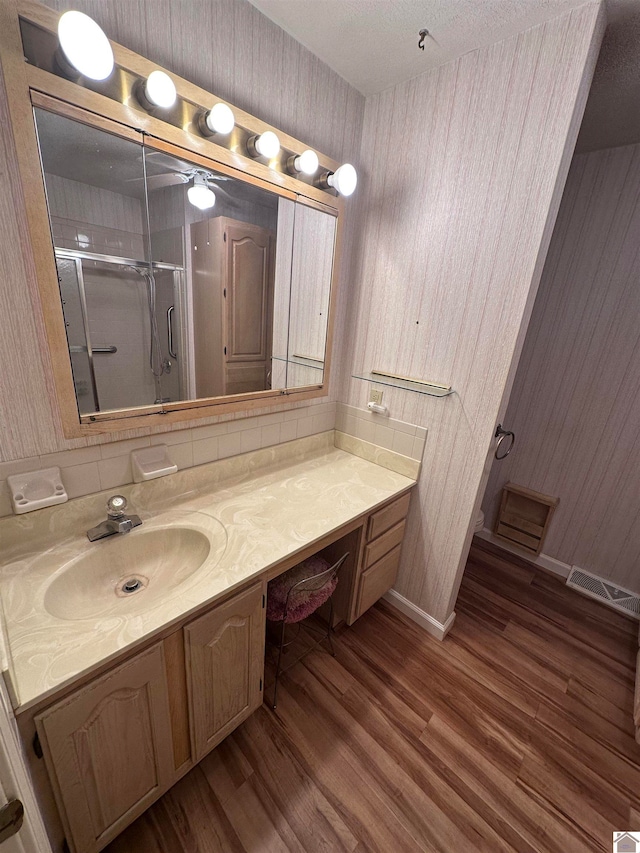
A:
501,434
172,352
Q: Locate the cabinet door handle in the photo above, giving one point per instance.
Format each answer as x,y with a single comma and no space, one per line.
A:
37,746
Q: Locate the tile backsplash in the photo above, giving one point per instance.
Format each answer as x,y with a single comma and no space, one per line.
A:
108,466
88,470
406,439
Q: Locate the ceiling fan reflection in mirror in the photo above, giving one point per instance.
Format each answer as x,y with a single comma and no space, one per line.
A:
200,193
203,182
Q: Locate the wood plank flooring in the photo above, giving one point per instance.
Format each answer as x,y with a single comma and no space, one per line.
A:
514,734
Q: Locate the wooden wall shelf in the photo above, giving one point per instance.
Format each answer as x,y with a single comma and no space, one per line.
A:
524,517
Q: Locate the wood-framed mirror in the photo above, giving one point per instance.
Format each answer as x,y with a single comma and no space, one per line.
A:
162,304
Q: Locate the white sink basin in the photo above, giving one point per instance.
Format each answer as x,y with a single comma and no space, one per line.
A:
125,574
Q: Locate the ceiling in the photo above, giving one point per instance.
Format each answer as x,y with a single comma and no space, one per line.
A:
373,44
612,116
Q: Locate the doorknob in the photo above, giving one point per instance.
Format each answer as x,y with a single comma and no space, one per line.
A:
11,817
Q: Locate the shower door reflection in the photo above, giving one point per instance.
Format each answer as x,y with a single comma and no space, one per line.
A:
126,345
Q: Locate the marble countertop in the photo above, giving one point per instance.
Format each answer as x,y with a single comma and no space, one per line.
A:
271,503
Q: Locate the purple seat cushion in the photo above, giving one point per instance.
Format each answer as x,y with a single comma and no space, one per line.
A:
303,602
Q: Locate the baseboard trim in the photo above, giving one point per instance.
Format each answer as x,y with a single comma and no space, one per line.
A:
542,560
431,625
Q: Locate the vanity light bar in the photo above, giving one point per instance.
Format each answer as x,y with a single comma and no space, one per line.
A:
266,145
219,119
84,49
306,163
344,180
158,90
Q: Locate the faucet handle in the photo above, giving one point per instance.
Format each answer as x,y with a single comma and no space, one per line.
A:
116,506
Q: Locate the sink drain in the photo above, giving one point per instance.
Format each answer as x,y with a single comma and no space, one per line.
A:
130,585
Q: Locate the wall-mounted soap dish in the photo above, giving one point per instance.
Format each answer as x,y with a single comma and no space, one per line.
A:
36,489
151,462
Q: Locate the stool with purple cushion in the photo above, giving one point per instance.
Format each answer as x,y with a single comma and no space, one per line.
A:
296,594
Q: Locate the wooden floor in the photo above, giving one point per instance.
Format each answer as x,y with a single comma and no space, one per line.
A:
514,734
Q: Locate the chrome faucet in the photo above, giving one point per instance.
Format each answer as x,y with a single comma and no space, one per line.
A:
117,521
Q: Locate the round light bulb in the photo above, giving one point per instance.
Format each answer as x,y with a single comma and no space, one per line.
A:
85,46
220,119
307,162
344,179
160,90
200,195
268,144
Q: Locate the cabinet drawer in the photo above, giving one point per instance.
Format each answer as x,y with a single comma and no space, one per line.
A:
383,544
377,579
386,517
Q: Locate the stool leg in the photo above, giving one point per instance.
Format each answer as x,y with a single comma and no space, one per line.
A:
330,629
275,687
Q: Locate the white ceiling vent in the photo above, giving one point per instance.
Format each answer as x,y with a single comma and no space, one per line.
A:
620,599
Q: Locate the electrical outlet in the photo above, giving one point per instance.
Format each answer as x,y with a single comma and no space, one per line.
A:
375,396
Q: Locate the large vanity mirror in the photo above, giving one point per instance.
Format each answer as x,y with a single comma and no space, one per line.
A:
181,280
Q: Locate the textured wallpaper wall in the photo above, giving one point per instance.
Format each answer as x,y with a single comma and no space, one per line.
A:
575,404
464,168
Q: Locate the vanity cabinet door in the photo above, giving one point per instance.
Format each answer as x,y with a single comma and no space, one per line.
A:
224,652
108,750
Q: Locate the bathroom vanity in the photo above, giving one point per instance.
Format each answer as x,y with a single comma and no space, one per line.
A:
119,696
150,716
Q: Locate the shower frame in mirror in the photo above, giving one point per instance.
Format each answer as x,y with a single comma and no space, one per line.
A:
27,86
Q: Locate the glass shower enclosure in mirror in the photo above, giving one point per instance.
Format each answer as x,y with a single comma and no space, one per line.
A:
116,300
179,282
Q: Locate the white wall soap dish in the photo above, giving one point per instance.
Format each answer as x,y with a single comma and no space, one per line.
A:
151,462
36,489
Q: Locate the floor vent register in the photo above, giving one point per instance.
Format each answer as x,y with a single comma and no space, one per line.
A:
615,596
